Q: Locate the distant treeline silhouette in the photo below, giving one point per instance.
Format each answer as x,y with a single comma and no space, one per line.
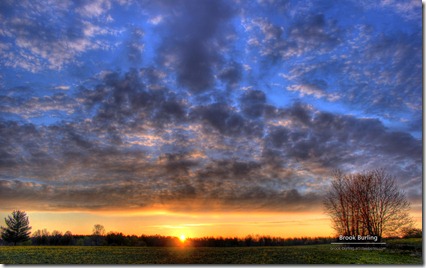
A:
44,238
17,232
257,241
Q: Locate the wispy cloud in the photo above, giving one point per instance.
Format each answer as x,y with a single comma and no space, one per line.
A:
50,43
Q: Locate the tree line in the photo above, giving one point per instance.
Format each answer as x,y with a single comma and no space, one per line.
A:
56,238
17,231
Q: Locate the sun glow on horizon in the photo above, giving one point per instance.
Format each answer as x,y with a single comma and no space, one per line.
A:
183,226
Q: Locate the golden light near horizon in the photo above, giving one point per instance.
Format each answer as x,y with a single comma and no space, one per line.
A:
182,238
192,225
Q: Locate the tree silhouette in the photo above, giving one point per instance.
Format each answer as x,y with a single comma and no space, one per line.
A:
67,239
411,232
98,233
41,237
18,229
367,204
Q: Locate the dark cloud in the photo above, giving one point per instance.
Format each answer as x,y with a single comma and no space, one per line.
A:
129,101
229,169
301,113
279,136
51,197
177,164
226,120
25,152
335,141
140,144
416,124
253,103
314,33
193,41
231,74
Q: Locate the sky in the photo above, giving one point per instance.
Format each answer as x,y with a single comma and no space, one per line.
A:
202,117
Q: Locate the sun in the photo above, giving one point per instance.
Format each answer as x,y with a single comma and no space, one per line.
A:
182,238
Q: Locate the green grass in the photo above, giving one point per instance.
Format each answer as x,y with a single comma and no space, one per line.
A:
411,241
316,254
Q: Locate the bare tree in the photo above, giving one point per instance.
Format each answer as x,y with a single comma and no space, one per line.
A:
367,204
67,238
41,237
55,237
98,234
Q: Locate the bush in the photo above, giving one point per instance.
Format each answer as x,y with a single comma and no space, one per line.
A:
412,233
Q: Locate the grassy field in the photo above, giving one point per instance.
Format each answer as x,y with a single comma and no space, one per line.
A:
408,252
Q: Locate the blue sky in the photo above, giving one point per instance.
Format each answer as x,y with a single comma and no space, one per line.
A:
205,105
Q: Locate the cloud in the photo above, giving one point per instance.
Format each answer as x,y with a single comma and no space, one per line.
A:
53,43
374,70
253,103
135,47
270,31
386,77
315,32
192,49
344,142
316,89
226,120
124,102
231,75
27,107
195,123
156,20
62,87
311,35
308,89
93,8
213,156
408,10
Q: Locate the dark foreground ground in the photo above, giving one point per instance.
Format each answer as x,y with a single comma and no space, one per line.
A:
406,251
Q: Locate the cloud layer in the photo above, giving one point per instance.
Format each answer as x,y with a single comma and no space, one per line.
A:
203,105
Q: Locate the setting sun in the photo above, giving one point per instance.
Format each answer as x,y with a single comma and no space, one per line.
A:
182,238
